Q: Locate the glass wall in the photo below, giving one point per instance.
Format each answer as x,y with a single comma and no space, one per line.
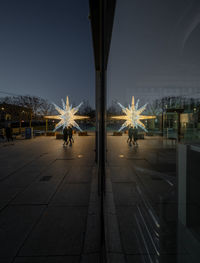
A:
154,86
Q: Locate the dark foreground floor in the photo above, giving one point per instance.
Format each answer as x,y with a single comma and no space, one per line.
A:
48,202
49,206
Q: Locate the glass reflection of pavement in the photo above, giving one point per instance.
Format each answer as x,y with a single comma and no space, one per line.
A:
144,186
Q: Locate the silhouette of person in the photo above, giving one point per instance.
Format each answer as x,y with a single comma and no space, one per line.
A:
65,136
130,135
135,135
70,133
9,133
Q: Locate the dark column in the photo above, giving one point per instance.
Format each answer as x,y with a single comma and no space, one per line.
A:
101,16
102,99
179,126
97,115
101,126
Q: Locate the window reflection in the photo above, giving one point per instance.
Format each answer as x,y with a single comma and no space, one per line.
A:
154,57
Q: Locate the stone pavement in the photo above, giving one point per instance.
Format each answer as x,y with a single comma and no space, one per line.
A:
49,207
50,210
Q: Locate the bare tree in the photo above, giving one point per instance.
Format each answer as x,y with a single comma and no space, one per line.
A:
46,108
36,106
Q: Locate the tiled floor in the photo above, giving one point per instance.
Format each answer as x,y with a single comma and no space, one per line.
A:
49,205
47,197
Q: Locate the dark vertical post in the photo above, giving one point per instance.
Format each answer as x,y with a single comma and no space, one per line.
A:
161,126
20,123
102,97
102,125
30,122
102,16
97,116
179,126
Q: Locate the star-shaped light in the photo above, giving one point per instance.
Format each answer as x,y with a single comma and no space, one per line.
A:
67,115
133,115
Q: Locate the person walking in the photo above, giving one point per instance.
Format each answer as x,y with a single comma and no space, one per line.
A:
9,133
135,136
2,133
65,136
70,133
130,135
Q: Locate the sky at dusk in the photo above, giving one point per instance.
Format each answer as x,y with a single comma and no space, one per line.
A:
46,49
155,50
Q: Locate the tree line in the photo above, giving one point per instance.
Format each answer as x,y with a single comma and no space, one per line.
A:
35,107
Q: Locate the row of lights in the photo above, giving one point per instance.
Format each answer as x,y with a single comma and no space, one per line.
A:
4,109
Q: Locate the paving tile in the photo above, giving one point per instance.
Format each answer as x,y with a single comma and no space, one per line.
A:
109,203
58,259
72,194
21,178
112,234
79,175
124,194
116,258
16,183
41,190
7,169
128,227
137,258
15,225
62,228
7,194
120,174
58,167
93,234
59,232
90,258
161,259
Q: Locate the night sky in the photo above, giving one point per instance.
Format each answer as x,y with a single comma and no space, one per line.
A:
155,50
46,49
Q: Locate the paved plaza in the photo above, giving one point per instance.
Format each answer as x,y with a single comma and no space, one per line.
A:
48,201
49,206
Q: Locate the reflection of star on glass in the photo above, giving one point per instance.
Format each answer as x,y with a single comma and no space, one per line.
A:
133,115
67,115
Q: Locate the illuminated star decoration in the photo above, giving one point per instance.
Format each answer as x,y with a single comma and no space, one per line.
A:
67,115
133,115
